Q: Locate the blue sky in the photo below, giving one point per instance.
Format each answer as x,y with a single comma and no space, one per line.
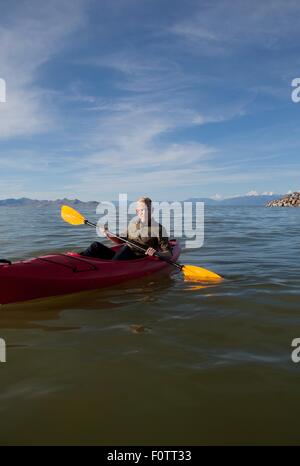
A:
171,99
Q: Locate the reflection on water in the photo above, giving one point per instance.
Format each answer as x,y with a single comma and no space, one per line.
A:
32,314
158,360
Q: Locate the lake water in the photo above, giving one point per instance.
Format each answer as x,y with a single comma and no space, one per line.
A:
209,365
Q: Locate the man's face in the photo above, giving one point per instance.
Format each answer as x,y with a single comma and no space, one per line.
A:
142,211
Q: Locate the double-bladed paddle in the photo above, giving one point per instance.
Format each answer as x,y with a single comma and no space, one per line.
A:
190,272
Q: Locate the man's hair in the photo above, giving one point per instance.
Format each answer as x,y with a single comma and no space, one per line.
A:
147,201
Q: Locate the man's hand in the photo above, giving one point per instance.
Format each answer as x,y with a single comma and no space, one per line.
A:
150,252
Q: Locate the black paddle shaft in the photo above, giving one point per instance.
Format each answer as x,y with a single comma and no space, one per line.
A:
157,254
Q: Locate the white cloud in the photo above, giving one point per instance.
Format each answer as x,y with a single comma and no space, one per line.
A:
24,113
270,28
264,24
134,131
140,141
31,38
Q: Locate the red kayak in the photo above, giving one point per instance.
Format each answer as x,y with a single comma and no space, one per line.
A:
59,274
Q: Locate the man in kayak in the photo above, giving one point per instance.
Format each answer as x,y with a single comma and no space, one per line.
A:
143,231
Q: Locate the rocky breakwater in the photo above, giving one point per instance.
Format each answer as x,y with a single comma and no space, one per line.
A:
289,200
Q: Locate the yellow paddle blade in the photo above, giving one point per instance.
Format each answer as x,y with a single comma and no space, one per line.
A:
191,272
70,215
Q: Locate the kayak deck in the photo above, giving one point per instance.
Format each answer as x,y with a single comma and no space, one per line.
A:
58,274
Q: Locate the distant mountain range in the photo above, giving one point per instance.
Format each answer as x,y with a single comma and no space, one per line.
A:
253,200
25,202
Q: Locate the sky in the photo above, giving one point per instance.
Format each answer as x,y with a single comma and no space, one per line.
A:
169,99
